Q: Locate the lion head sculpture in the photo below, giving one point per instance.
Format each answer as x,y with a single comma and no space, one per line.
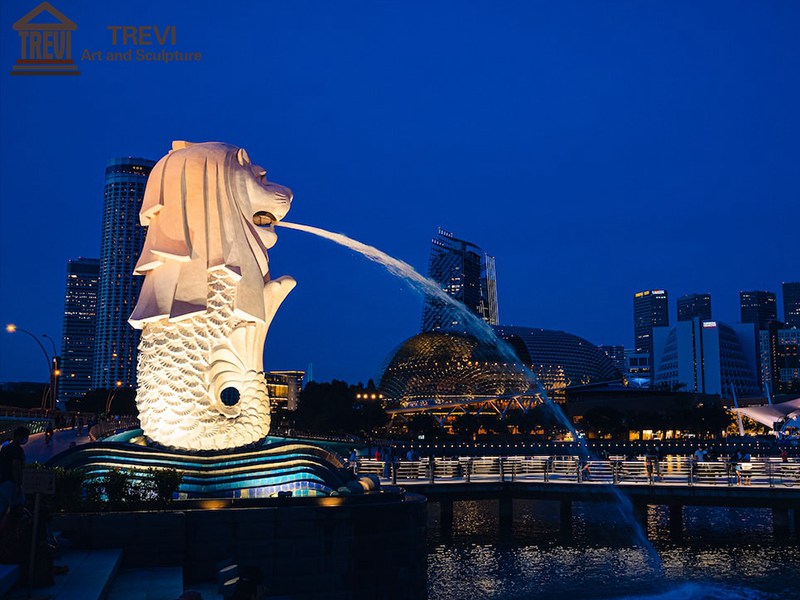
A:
206,206
207,299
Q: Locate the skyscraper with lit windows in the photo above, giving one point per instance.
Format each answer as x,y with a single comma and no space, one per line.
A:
791,304
694,306
465,273
758,307
77,339
122,240
650,309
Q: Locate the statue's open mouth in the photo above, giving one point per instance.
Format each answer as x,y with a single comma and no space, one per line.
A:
264,219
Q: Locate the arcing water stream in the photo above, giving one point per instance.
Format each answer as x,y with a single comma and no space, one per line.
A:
474,325
482,331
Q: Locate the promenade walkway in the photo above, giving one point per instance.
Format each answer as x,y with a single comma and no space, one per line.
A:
674,482
36,450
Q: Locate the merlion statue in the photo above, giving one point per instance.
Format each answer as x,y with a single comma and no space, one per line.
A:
207,298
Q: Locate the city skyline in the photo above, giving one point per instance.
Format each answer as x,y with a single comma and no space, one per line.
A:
567,142
673,308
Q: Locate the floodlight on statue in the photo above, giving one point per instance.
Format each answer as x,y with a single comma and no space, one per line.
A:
207,300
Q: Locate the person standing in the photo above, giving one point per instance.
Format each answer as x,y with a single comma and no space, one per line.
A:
12,461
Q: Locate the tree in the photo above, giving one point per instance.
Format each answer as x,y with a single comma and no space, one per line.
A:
22,395
123,402
369,416
709,418
604,420
338,407
466,425
425,425
326,408
493,424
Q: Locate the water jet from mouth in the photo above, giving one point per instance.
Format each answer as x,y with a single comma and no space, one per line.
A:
264,218
484,333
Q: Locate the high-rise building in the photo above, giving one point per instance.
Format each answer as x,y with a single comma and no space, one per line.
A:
789,361
694,306
77,340
650,309
707,357
791,304
123,237
617,356
780,358
464,272
284,388
758,307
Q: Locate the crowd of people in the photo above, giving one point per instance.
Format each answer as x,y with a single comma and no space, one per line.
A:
738,464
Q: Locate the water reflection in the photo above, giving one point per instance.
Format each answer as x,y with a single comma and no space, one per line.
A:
725,553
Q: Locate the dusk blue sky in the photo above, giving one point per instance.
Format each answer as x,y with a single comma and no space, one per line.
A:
594,148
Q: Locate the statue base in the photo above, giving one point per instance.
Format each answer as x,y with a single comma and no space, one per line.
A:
261,470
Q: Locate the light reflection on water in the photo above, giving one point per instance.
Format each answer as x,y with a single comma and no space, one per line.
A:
725,554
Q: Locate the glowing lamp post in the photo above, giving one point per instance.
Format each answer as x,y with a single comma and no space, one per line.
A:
111,395
52,366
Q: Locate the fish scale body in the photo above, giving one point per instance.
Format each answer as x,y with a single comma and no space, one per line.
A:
178,402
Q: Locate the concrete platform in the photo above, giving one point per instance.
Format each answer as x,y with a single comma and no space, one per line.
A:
164,583
9,575
89,578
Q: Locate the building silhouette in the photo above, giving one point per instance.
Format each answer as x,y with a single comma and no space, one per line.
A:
122,240
465,273
650,309
780,358
617,356
446,368
694,306
637,368
708,357
558,358
77,339
791,304
284,388
758,307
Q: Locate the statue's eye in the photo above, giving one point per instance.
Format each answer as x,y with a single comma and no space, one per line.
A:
263,218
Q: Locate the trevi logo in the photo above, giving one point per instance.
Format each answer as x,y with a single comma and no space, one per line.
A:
46,46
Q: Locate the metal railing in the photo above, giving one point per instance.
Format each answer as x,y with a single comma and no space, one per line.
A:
104,429
673,470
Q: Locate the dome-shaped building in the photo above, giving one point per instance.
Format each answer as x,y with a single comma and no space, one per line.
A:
558,358
446,367
443,367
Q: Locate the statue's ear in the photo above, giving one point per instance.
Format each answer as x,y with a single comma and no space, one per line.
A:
242,157
181,144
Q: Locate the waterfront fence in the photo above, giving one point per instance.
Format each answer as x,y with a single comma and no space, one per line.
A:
676,470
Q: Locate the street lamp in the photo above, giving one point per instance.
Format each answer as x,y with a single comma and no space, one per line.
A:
55,370
52,343
111,395
51,370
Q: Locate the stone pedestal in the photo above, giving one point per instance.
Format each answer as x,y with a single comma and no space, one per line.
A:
308,548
